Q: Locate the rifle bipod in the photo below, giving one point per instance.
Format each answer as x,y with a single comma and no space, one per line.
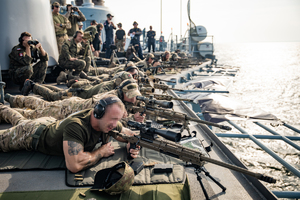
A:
198,171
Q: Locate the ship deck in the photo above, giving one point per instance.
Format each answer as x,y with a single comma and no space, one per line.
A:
238,185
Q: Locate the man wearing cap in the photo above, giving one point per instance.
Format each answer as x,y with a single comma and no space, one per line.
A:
80,25
61,24
74,137
120,38
75,54
135,34
109,33
74,19
151,39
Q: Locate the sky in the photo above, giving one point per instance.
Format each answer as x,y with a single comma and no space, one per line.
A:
226,20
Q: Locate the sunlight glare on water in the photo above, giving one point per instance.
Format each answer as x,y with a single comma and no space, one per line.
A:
269,79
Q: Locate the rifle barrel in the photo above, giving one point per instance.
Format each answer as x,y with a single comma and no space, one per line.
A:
176,116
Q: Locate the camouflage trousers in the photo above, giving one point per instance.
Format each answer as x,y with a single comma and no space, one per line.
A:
35,107
36,73
120,44
51,93
78,65
19,137
103,70
60,41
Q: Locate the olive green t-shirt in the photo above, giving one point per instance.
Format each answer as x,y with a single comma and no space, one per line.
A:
76,128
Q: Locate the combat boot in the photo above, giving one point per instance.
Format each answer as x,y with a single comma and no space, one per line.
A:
28,85
71,82
10,99
62,77
70,76
112,65
83,75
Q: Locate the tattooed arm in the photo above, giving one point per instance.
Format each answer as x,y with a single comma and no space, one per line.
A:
77,160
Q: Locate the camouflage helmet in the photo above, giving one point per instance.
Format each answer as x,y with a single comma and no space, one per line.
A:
130,65
114,180
175,56
130,88
149,55
87,35
121,76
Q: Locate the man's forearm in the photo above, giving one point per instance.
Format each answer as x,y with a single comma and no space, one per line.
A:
77,159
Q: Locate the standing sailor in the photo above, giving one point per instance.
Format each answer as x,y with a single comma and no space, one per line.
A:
109,33
151,40
135,34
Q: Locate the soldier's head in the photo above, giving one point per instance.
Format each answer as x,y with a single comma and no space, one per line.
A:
69,7
99,27
107,112
80,25
24,37
132,69
78,36
149,57
175,57
166,56
150,28
130,90
55,7
135,24
94,23
109,16
121,76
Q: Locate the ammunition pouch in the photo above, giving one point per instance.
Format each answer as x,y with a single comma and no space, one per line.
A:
36,136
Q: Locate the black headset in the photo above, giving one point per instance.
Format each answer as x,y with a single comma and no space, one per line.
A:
99,109
21,37
126,83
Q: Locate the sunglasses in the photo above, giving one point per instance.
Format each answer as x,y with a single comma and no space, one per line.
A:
56,6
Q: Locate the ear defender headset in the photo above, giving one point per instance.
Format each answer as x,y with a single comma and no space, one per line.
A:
99,109
123,85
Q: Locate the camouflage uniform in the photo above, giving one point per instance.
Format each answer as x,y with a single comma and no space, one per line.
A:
22,68
81,89
60,31
74,19
105,70
20,135
58,109
72,50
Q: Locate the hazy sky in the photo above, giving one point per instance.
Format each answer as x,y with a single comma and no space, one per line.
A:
227,20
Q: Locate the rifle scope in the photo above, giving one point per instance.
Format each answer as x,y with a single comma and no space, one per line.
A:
147,132
152,101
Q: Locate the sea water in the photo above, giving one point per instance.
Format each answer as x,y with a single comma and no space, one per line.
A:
269,79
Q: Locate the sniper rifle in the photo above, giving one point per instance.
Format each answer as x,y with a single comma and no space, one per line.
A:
148,137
